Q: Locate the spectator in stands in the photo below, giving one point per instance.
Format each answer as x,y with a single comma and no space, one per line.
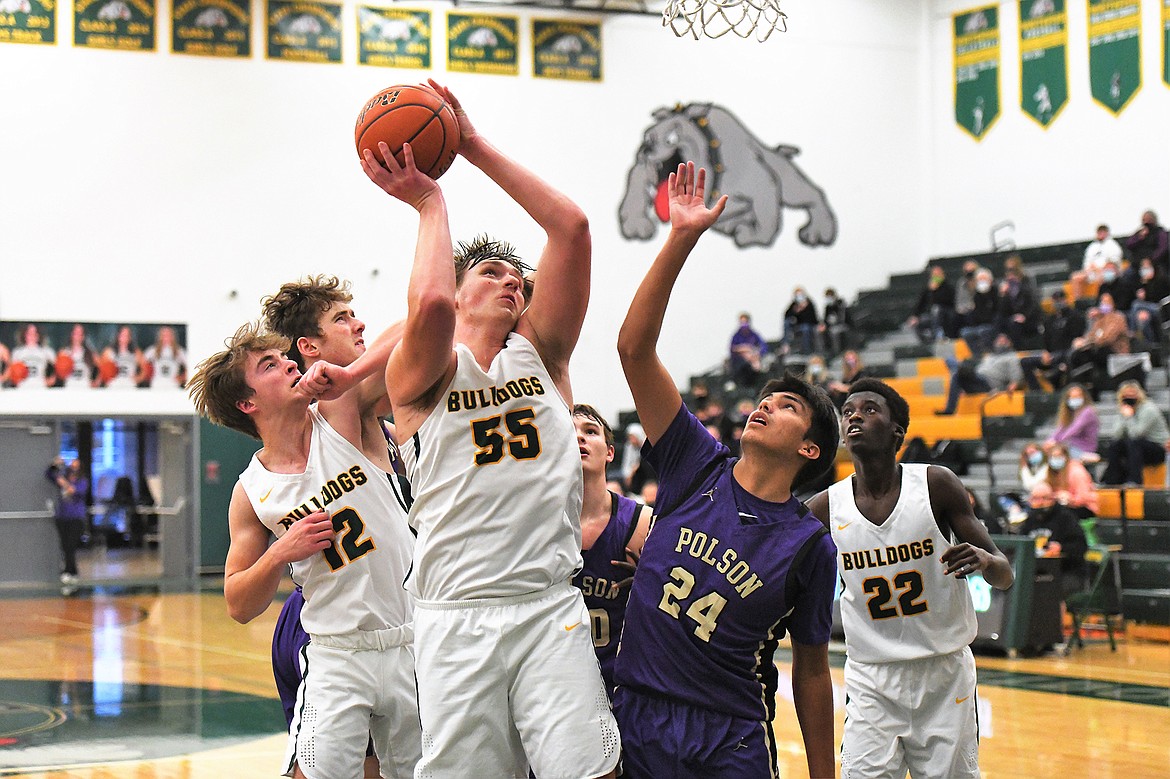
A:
748,349
1122,287
634,472
1060,328
1060,525
852,369
800,322
1070,482
1033,466
836,327
989,520
980,329
1077,425
995,371
1140,438
965,293
1015,265
1150,241
649,493
1145,318
934,315
1108,333
816,373
1018,308
1100,251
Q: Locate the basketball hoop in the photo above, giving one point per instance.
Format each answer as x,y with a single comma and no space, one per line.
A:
716,18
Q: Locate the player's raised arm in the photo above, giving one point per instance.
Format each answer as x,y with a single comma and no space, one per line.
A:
423,355
553,319
974,551
655,395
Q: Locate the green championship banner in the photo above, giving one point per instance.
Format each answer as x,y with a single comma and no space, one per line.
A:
479,43
127,25
976,35
28,21
566,49
1115,52
304,31
1043,59
1166,41
212,28
394,37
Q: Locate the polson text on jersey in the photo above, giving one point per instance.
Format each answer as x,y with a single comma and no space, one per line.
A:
469,400
344,482
702,547
887,555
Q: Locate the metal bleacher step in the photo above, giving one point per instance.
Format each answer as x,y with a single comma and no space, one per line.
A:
1146,537
1150,606
1144,570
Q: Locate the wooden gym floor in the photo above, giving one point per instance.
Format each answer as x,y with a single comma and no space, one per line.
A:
144,685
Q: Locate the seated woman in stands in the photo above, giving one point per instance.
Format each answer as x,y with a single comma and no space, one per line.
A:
1059,503
1140,438
852,369
1033,466
1077,425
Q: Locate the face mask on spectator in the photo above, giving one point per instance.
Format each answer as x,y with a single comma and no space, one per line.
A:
1147,273
983,286
1105,308
1075,403
815,369
1056,462
1108,275
1035,458
800,297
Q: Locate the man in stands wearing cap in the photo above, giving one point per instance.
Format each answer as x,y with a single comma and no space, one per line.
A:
1060,328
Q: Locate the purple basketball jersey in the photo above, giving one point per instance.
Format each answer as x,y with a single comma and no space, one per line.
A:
709,601
596,580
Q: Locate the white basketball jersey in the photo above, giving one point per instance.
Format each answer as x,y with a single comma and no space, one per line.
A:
496,474
127,363
167,361
79,376
37,359
897,603
357,583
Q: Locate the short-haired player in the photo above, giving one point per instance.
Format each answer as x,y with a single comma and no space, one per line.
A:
480,385
613,530
732,561
316,316
906,539
324,489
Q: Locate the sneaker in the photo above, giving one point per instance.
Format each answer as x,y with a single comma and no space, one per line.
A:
68,578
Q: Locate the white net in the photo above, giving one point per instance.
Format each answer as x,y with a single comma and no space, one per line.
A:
716,18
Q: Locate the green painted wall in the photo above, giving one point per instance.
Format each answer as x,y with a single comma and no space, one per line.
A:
223,455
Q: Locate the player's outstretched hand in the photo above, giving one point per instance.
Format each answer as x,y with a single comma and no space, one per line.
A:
307,536
405,182
630,565
688,206
965,559
467,131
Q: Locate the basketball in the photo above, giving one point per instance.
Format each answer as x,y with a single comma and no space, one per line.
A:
416,115
107,369
64,366
17,372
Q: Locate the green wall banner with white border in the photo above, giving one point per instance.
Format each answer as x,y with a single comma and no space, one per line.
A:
1043,59
1115,52
976,35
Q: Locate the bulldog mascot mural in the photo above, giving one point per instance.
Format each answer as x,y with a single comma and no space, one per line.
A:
759,181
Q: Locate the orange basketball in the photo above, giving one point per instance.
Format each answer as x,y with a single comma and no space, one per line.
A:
147,372
17,372
416,115
64,366
107,369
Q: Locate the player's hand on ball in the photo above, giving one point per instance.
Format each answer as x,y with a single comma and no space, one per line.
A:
467,131
405,181
307,536
964,559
